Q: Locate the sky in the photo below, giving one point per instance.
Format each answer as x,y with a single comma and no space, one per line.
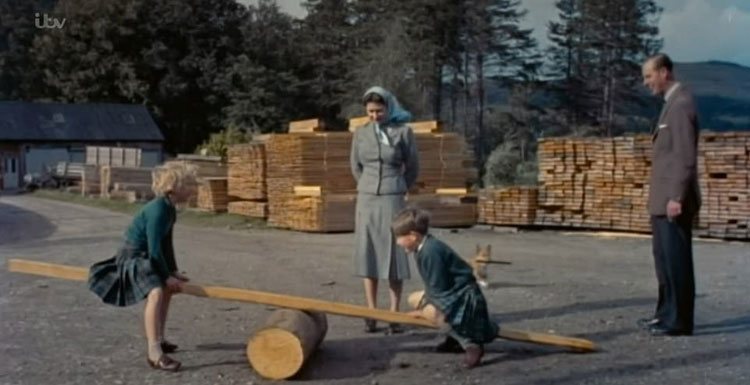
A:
693,30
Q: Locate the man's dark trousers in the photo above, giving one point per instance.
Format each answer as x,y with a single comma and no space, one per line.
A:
672,242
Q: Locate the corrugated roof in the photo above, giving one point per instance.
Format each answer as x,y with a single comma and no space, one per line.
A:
76,122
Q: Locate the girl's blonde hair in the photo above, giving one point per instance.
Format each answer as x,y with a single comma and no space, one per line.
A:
172,176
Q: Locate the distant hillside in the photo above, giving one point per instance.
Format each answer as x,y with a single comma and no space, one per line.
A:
722,92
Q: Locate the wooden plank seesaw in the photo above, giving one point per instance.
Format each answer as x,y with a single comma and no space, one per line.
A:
308,306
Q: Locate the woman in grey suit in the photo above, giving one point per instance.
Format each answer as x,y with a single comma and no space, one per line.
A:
384,163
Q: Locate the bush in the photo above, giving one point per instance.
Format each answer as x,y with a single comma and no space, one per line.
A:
217,143
505,167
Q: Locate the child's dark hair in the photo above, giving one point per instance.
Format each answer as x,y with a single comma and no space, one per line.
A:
372,97
411,219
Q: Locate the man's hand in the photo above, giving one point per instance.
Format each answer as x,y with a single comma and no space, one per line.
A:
180,277
674,209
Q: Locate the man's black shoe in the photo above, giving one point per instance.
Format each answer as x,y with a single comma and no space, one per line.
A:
658,331
647,323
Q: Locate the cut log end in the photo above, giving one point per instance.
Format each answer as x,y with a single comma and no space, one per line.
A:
276,354
280,349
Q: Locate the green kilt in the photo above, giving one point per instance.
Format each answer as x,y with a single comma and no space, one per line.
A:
124,279
467,314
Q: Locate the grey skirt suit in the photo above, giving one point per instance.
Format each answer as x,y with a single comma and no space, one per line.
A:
384,174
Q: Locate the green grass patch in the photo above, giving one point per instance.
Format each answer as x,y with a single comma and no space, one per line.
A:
184,216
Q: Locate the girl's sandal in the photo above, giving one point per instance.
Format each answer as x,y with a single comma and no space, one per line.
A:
165,363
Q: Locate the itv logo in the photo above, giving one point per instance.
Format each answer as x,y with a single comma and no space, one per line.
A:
48,22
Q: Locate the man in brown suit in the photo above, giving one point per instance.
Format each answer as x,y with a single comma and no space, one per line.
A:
673,201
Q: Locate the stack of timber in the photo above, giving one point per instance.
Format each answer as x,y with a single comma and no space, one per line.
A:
309,125
250,209
594,183
724,184
212,195
113,156
445,161
313,209
446,170
603,184
246,183
310,159
514,206
129,183
90,180
312,189
454,207
246,171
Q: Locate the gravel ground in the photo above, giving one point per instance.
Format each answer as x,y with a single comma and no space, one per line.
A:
55,332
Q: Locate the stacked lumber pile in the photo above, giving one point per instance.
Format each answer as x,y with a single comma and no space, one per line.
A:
310,159
594,183
90,180
632,160
445,161
447,208
603,184
312,189
246,171
446,169
212,195
129,183
723,164
314,210
515,205
246,183
318,159
310,125
251,209
113,156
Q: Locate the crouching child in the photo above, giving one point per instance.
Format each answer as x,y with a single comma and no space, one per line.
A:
460,309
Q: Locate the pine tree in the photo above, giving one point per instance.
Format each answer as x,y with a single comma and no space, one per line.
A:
327,46
598,47
496,49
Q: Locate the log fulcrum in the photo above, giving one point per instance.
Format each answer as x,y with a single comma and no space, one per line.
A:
282,347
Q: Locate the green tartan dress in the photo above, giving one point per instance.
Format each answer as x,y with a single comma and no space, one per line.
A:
450,286
145,260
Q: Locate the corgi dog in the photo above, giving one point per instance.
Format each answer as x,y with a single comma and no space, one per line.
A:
479,263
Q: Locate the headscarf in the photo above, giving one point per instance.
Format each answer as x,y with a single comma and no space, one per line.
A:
396,113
